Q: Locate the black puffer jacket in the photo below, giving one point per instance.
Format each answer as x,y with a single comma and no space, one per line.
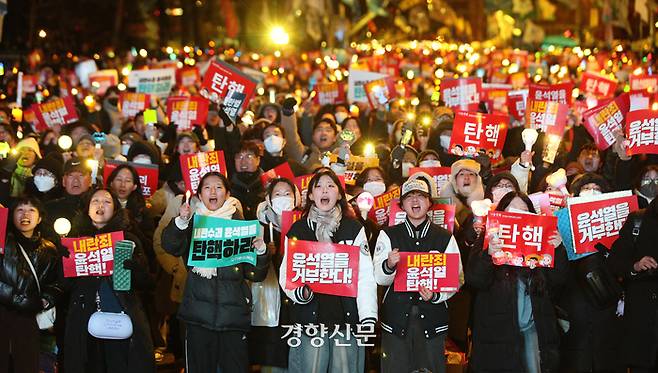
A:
18,288
250,192
222,303
497,340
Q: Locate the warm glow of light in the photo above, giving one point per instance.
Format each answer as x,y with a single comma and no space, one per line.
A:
279,36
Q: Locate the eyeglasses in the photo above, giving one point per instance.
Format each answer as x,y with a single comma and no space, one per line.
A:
245,156
649,181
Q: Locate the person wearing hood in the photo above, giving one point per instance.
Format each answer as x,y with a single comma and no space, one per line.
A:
464,186
102,213
28,155
110,116
112,148
144,152
246,184
271,112
46,183
592,342
216,305
48,143
442,126
186,143
428,159
274,142
267,347
324,138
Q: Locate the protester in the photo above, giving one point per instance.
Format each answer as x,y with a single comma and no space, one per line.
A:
246,184
28,155
465,186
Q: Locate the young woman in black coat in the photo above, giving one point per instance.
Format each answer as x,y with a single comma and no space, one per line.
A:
20,299
87,354
514,322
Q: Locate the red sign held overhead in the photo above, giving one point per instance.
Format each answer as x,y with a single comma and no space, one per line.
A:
283,170
222,79
598,86
187,76
194,166
475,133
380,92
380,210
133,103
642,132
604,121
330,93
646,83
551,92
60,111
462,94
186,112
547,116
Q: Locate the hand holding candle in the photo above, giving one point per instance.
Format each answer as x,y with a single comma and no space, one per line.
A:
529,137
558,180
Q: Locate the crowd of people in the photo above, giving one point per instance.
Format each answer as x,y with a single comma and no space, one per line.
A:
504,318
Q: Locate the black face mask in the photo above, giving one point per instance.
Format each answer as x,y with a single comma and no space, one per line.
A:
114,101
649,190
247,177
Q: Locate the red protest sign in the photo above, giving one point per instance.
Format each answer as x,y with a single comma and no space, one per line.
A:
438,272
283,170
133,103
186,112
542,203
187,76
642,132
60,111
327,268
524,237
551,92
287,220
90,256
380,92
222,79
4,216
440,175
380,210
597,86
646,83
473,133
440,214
148,175
547,116
194,166
30,83
516,103
602,122
598,219
329,93
518,80
101,80
495,96
461,94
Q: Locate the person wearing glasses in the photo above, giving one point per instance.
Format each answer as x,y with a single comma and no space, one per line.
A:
646,187
246,185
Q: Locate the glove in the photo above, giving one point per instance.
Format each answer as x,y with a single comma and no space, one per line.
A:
288,107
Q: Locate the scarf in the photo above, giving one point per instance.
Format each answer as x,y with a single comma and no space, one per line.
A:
225,212
18,179
326,222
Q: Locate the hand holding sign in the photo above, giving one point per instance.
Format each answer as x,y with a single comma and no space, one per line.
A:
425,293
393,258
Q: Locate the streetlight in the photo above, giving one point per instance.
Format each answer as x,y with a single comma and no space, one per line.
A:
279,36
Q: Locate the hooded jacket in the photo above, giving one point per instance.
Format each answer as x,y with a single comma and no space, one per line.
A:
462,198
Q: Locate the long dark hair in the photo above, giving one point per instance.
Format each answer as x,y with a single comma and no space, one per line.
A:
342,202
363,176
507,199
28,200
225,181
272,183
135,194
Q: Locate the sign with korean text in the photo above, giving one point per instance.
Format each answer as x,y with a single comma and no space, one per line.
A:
90,256
60,111
355,85
356,164
440,214
132,103
222,79
157,82
642,132
281,171
438,272
598,86
440,175
30,83
647,83
524,238
187,76
516,103
547,116
186,112
551,92
380,92
148,175
4,214
604,121
475,133
495,96
380,210
233,103
327,268
194,166
101,80
461,94
218,242
598,219
329,93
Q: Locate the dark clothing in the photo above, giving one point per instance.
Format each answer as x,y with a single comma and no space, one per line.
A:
640,323
498,343
67,207
85,353
269,161
249,191
206,350
222,303
20,340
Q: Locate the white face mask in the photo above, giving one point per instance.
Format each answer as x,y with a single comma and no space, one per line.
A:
499,193
273,144
44,183
430,163
589,192
124,149
375,188
444,141
142,159
340,117
280,204
406,166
